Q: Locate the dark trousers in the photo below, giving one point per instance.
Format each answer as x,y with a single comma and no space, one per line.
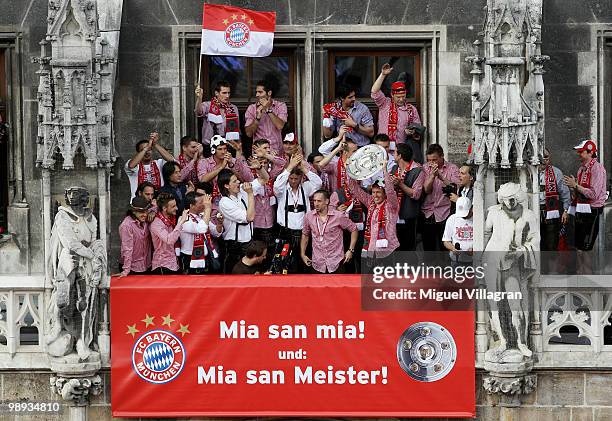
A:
268,236
186,260
432,234
354,266
234,251
293,238
406,234
549,233
586,229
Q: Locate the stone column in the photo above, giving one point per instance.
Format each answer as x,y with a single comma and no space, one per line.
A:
507,124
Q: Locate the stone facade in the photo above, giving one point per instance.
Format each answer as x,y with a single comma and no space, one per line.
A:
151,90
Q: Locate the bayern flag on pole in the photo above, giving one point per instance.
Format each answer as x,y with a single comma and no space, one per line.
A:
232,31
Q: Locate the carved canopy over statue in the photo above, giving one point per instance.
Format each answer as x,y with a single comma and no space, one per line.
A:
77,263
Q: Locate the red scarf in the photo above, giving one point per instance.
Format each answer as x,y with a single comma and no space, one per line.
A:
394,118
231,119
193,174
198,253
335,110
584,179
382,220
552,196
153,175
401,174
170,222
342,183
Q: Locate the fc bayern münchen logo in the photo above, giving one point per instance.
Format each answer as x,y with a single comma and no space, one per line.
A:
237,34
158,356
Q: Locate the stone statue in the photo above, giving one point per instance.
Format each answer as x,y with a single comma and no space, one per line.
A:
77,263
511,242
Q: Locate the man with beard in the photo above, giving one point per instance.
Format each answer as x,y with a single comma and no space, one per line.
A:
165,233
135,239
293,194
348,112
326,226
380,236
190,159
264,203
220,116
194,247
395,114
266,118
141,167
408,178
437,205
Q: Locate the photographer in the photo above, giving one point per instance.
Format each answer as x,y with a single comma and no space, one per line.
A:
437,205
414,136
465,188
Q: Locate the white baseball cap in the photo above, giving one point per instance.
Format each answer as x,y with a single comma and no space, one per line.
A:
463,207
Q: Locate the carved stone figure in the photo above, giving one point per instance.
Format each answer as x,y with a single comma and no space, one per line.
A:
511,242
77,263
76,390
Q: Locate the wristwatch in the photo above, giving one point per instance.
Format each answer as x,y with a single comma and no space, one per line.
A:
352,251
268,111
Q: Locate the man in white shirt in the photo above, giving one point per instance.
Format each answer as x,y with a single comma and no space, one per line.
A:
141,167
238,209
195,232
293,198
458,237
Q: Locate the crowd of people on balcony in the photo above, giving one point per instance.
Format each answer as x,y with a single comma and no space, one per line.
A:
214,210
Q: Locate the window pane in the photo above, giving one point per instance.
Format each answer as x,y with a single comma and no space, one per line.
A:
232,69
355,71
403,69
274,68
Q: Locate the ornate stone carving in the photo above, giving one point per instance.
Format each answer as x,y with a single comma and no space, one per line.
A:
77,264
76,390
507,124
78,67
510,385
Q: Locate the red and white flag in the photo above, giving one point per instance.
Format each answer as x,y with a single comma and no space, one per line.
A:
232,31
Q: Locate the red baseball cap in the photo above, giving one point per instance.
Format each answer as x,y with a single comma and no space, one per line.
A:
586,145
398,87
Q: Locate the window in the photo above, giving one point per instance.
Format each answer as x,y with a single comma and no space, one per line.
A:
243,73
360,69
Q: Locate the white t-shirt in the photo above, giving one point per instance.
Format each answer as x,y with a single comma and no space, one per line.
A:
460,230
133,173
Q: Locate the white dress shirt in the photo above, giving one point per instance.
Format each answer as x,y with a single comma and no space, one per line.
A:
234,210
282,191
190,229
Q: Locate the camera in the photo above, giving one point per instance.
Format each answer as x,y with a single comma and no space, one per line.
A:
450,189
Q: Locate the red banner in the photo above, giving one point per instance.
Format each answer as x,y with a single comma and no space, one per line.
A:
282,346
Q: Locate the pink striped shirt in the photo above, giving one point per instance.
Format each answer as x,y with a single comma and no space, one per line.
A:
207,126
406,114
135,245
596,194
391,213
436,203
328,253
264,210
238,166
164,239
267,129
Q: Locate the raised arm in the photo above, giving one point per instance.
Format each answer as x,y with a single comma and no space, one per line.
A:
384,72
358,193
